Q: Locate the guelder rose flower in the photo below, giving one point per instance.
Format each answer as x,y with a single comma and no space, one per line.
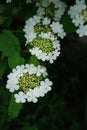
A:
53,9
8,1
78,14
36,25
42,38
27,1
29,82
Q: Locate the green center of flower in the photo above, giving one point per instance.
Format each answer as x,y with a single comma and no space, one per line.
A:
38,28
50,10
84,14
28,81
45,45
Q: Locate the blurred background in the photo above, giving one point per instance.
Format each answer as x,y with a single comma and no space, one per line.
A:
65,107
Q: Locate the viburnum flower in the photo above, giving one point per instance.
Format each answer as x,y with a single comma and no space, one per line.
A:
44,48
36,25
82,30
28,82
78,14
53,9
27,1
42,37
8,1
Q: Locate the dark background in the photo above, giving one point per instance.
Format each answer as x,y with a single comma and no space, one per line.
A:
65,107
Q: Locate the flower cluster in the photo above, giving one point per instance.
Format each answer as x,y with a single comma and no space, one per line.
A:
43,32
53,9
8,1
27,1
28,83
36,25
78,14
42,36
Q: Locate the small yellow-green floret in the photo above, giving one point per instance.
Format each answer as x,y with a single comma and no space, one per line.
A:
38,28
84,14
28,81
45,45
50,10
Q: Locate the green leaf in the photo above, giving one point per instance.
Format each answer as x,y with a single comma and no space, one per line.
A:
14,108
2,19
67,24
16,10
9,44
15,60
8,21
33,60
10,47
3,66
27,126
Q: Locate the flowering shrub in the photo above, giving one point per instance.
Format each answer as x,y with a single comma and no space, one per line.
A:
27,48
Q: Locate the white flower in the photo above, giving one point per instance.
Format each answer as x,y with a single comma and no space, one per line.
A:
26,82
82,30
28,1
48,36
12,87
12,82
51,56
46,84
51,8
56,44
46,21
36,92
45,87
80,2
31,97
37,18
78,20
78,14
31,68
43,91
8,1
20,97
30,34
77,8
46,28
41,70
40,11
58,29
41,36
30,37
35,51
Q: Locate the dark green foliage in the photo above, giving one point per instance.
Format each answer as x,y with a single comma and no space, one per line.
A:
14,108
69,27
3,66
9,42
